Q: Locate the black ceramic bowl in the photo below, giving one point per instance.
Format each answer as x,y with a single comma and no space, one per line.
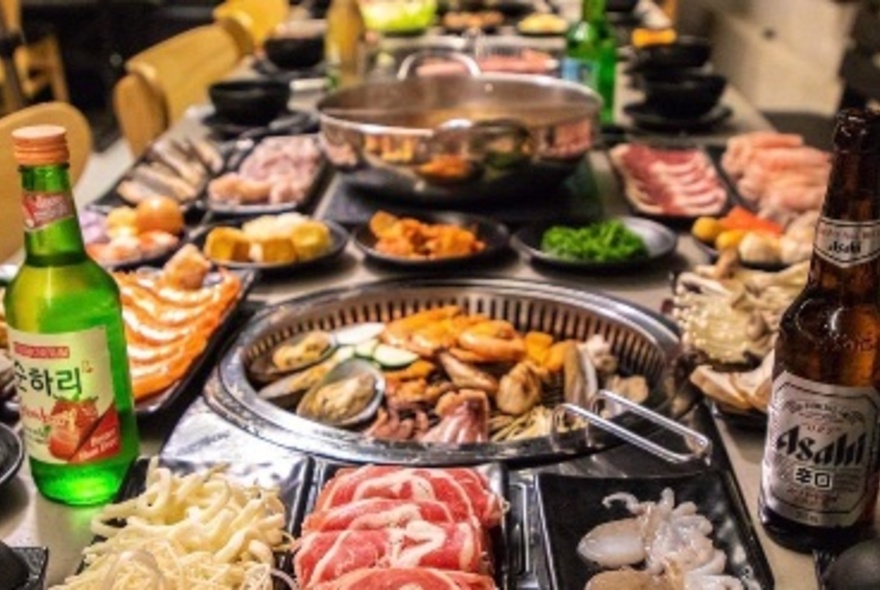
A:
250,102
685,52
682,95
296,48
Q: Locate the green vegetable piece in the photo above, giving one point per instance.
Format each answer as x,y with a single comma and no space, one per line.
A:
603,241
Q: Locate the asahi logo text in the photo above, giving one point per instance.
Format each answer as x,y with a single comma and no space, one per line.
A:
847,243
841,452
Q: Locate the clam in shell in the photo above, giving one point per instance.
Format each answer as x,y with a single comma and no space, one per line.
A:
288,391
292,355
349,394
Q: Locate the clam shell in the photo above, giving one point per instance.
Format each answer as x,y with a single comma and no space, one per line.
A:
264,369
288,391
345,371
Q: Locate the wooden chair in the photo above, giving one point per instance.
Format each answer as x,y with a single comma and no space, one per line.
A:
860,72
258,18
37,61
79,142
166,79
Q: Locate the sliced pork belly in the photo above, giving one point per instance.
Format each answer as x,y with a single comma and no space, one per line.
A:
676,182
408,579
464,491
323,557
377,513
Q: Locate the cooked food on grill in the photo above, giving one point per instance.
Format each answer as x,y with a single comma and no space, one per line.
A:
397,526
178,531
603,241
672,182
279,170
776,171
167,323
171,168
671,541
406,237
445,376
526,61
270,239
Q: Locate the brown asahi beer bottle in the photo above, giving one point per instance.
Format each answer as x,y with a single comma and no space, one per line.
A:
819,473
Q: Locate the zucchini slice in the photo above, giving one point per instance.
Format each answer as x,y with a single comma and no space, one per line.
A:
392,357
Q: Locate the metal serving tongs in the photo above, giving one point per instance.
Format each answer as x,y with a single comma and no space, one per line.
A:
594,399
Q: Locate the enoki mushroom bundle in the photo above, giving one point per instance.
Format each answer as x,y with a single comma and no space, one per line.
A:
201,531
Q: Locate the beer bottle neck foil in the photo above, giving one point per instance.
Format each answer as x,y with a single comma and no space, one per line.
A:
846,253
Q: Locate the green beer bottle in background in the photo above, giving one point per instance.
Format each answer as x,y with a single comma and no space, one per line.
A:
66,339
591,55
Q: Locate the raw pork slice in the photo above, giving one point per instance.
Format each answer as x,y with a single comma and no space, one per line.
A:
377,513
408,579
674,182
464,491
322,557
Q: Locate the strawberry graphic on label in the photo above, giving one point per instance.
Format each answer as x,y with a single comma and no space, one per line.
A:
103,441
72,422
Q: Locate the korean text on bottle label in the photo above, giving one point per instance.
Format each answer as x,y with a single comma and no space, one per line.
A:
66,389
42,209
821,450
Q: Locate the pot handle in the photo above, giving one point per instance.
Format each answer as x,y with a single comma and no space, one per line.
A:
409,66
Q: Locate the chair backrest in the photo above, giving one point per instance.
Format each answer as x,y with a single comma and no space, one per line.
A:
140,112
860,67
79,142
258,17
175,74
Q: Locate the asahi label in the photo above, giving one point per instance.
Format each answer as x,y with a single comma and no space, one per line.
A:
820,451
847,243
42,209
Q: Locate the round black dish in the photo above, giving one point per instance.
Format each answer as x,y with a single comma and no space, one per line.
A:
493,234
682,95
249,102
659,240
645,117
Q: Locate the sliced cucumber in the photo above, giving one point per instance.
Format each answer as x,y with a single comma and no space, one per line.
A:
352,335
366,349
343,353
392,357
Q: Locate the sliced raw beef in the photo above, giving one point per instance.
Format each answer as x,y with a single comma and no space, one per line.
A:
377,513
409,579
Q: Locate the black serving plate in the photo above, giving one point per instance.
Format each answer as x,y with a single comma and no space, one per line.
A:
569,507
500,537
234,163
156,403
338,236
659,240
289,122
291,478
645,117
492,233
11,454
743,419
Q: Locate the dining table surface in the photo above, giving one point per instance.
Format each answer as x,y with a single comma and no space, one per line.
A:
28,519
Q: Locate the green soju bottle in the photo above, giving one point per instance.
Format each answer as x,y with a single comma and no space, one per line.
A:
591,55
66,339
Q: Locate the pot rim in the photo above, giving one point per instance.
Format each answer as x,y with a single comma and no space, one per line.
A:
531,79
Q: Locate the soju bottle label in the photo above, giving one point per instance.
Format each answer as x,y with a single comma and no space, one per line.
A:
820,453
66,388
581,71
42,209
847,243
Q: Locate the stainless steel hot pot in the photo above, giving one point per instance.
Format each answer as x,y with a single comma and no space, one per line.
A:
441,139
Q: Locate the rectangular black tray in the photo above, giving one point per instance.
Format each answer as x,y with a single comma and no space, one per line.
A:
500,537
570,506
163,400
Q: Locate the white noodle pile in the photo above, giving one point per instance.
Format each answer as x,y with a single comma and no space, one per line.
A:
200,531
